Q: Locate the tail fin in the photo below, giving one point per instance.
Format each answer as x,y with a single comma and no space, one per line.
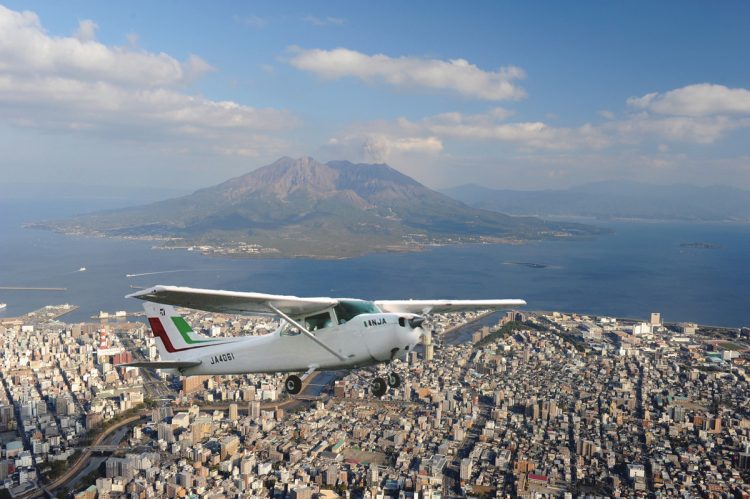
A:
174,336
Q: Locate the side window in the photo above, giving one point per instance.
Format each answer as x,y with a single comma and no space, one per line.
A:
290,330
318,321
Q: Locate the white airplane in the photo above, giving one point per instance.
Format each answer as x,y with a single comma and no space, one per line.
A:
315,333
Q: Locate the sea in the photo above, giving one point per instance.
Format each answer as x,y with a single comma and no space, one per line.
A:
695,272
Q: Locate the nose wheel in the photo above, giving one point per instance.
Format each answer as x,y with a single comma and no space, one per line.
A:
293,385
379,386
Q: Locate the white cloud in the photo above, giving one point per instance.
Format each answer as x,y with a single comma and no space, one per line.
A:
195,67
377,147
703,99
696,130
488,127
78,85
380,139
252,21
645,145
26,49
86,30
455,75
324,21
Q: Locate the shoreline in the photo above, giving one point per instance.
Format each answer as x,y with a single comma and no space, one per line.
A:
620,320
275,254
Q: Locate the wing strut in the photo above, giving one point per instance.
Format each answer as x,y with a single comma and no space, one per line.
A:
305,332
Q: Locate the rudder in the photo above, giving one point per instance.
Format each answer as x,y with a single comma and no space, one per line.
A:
174,336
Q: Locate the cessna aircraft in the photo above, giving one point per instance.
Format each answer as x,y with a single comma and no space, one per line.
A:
315,333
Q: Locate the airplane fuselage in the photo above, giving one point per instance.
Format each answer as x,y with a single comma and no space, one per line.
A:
366,339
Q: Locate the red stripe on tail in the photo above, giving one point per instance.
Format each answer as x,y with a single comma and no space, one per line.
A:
158,329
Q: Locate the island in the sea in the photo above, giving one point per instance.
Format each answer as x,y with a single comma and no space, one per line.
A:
530,265
700,245
304,208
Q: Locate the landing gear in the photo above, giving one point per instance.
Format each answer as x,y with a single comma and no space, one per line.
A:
394,380
378,387
293,385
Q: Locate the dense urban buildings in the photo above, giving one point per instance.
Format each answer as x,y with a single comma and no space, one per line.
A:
535,405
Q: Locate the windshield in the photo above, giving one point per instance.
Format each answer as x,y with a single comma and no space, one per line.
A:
346,310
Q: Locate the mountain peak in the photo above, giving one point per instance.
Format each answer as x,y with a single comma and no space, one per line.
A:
304,207
364,184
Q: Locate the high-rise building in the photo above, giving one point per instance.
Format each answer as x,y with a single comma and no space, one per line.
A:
233,416
429,351
191,384
331,475
229,446
655,319
164,432
339,389
301,493
413,358
465,468
254,410
248,393
372,476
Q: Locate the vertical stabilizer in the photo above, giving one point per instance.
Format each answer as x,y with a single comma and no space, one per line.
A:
175,338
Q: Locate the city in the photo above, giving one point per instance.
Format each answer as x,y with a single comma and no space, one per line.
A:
587,160
542,404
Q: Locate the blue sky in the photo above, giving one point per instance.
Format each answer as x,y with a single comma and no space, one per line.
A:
518,95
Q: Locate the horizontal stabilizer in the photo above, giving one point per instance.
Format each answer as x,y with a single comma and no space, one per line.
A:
177,364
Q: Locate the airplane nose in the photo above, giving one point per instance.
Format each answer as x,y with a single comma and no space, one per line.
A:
416,322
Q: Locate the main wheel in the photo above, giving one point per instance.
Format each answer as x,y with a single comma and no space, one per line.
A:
378,387
293,385
394,380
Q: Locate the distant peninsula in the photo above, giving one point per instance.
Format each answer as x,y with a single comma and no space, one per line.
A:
615,200
304,208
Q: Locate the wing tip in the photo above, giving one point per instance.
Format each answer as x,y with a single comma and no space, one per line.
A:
144,294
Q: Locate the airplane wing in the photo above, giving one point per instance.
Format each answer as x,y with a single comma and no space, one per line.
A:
233,302
444,306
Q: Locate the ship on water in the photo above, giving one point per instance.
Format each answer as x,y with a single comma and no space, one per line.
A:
3,305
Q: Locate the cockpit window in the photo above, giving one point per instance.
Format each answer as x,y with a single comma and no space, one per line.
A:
311,323
346,310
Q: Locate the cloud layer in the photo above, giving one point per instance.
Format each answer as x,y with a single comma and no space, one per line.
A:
704,99
78,84
695,114
455,75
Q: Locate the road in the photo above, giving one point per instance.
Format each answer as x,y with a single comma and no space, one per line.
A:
83,458
154,386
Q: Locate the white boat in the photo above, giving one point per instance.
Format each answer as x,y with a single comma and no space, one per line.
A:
3,305
82,269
